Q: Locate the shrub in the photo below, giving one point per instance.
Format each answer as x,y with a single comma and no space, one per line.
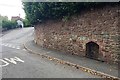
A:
6,24
26,23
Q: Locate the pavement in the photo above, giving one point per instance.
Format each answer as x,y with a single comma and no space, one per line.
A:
94,67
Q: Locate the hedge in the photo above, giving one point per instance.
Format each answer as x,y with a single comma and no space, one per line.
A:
41,11
6,24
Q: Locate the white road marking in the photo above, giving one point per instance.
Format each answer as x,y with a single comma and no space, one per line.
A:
7,61
13,60
17,48
5,45
24,49
9,45
13,46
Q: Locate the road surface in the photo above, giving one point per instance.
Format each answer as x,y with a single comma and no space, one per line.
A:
16,62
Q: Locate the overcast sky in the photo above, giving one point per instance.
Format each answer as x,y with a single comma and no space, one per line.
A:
11,8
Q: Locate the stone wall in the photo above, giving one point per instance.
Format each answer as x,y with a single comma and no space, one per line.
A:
71,36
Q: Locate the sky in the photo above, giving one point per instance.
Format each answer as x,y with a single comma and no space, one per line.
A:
11,8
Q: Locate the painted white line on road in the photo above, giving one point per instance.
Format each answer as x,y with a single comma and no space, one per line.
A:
7,61
5,45
13,46
9,45
13,60
24,49
17,48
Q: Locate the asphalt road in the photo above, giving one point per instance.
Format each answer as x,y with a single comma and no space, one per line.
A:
16,62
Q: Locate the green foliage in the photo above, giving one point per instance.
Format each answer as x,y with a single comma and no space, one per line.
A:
40,11
26,23
6,24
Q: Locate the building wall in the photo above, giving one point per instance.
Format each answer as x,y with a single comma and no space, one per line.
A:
71,36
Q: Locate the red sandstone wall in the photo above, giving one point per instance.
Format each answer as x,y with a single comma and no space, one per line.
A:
99,26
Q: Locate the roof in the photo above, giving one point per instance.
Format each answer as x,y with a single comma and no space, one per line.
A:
16,18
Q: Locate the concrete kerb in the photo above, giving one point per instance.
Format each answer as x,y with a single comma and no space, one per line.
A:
85,69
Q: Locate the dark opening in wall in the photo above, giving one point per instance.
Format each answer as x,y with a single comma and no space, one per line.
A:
92,50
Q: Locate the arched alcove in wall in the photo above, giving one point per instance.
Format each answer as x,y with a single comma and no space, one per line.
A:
92,50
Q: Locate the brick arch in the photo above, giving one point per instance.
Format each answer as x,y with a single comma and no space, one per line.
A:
92,50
